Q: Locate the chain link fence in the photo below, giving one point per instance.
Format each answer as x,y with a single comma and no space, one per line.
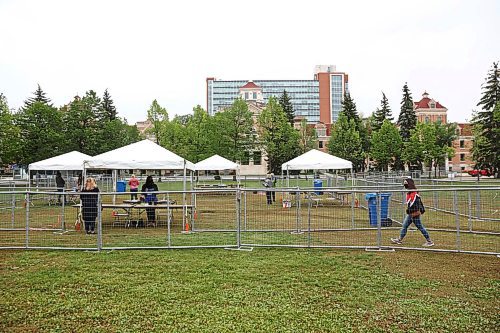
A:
459,219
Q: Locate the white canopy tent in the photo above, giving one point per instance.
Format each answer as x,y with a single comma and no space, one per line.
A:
315,160
72,161
144,154
218,163
69,161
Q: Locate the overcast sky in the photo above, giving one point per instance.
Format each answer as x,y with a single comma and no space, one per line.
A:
145,50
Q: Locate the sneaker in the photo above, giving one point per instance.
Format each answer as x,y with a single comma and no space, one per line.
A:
396,241
429,243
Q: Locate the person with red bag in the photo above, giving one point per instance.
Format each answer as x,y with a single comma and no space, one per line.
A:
414,209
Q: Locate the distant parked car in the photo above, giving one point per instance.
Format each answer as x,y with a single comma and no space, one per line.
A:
482,172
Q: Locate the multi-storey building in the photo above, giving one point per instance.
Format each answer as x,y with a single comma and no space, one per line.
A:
429,110
319,99
462,160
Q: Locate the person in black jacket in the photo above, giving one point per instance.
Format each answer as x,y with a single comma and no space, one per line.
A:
60,183
150,198
414,209
89,200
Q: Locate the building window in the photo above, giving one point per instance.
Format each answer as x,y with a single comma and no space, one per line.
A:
433,105
257,158
426,119
462,157
450,168
449,159
439,120
321,131
254,95
462,168
246,96
320,144
462,144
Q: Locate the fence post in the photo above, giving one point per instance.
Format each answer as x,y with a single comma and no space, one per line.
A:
353,225
27,219
297,209
62,213
469,215
379,220
238,217
245,210
169,221
457,220
99,222
478,204
309,221
13,209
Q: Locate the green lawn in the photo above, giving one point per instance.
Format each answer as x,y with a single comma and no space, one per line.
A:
266,290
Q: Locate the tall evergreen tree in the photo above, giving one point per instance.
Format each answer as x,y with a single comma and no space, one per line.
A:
40,133
486,124
407,117
108,109
382,113
40,96
350,111
491,89
287,106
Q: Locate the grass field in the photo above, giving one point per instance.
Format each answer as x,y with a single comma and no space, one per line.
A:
266,290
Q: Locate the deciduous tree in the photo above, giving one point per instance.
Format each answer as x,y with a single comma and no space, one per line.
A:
386,146
278,138
345,142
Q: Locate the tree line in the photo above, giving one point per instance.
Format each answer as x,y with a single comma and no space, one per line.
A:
39,130
90,124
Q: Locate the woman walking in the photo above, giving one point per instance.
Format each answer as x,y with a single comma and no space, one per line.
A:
89,198
414,209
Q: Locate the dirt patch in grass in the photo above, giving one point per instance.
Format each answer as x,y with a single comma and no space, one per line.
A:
442,267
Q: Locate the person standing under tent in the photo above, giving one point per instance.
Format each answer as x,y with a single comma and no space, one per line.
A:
60,183
134,187
150,198
267,183
414,209
79,182
273,185
89,201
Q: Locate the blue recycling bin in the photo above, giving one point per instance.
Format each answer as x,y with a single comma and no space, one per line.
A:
121,186
385,198
318,184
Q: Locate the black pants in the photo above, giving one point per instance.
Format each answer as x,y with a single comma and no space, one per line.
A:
151,212
133,195
89,226
268,197
273,195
